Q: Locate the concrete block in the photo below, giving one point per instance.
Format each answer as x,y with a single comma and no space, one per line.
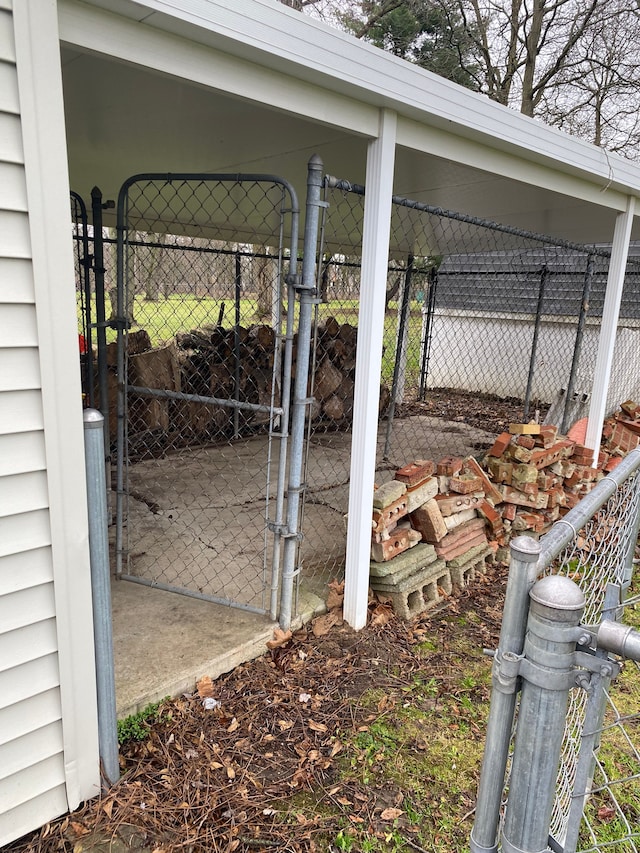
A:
464,572
404,564
436,570
418,592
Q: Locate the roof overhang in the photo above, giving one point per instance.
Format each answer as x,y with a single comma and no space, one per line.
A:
252,86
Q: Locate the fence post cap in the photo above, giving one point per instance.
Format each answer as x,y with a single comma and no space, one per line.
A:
93,419
558,592
525,548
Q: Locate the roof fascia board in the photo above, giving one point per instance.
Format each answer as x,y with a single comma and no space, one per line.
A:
432,140
90,28
340,62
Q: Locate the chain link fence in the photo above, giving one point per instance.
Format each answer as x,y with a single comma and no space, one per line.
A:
561,769
201,340
601,558
480,319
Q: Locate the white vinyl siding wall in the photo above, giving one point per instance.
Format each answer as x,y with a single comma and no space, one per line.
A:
32,771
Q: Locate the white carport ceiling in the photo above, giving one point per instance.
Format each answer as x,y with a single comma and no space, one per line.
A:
125,118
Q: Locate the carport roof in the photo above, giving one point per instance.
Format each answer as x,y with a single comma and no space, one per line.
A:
252,86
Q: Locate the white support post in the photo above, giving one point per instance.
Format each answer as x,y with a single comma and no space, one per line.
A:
610,312
375,258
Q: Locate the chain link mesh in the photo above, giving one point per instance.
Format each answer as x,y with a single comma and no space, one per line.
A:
473,310
597,557
203,358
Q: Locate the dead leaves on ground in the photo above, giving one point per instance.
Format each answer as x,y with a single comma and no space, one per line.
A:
220,766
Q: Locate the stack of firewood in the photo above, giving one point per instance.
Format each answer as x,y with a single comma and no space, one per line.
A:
334,376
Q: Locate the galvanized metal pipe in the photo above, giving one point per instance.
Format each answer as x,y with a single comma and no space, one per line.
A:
101,321
101,593
285,406
164,394
428,313
577,349
307,292
236,346
401,350
544,277
85,264
522,574
557,604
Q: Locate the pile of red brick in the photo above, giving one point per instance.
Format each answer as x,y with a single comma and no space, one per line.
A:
429,531
434,526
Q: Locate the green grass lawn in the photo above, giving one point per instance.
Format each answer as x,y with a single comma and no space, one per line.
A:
164,318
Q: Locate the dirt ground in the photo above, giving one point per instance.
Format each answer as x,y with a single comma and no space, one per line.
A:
336,740
482,411
325,743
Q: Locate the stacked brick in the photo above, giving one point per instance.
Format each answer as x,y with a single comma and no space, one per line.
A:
434,527
621,433
429,531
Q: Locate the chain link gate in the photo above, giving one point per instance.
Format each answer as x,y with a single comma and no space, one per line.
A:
205,336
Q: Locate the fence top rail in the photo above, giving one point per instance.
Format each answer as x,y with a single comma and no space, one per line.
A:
567,528
332,182
221,177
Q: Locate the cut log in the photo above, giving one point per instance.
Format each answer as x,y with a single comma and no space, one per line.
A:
263,336
334,408
332,327
154,369
327,379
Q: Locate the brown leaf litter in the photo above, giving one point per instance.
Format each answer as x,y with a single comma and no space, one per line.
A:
224,775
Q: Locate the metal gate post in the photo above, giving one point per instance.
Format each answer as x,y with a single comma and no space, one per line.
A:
547,670
101,594
577,348
101,322
544,277
522,574
307,293
399,363
428,310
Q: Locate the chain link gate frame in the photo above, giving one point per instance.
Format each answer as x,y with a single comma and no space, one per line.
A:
209,401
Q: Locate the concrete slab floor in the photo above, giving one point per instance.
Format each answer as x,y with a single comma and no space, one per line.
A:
164,642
